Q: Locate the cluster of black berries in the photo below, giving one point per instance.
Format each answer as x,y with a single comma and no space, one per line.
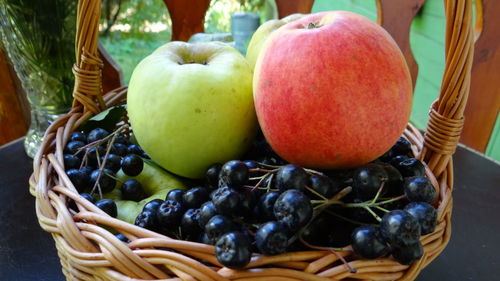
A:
268,206
92,160
396,189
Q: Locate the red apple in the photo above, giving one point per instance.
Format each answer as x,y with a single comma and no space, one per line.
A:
332,90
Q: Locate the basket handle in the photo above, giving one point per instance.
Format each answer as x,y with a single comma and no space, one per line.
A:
446,114
87,91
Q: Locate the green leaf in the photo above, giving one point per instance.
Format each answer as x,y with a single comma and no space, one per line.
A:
106,119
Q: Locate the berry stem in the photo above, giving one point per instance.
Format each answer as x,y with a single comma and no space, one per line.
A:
390,200
316,193
262,170
260,181
372,213
101,166
314,172
379,191
256,178
268,165
342,193
382,209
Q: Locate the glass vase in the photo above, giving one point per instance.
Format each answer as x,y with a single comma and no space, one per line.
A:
38,38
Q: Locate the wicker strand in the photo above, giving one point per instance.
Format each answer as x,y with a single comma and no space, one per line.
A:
446,115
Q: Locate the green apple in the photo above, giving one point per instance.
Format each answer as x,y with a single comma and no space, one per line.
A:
156,184
191,105
262,33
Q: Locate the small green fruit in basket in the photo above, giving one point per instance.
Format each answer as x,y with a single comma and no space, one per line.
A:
191,105
332,90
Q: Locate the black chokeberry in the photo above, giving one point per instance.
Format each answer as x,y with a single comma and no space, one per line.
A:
368,243
291,177
113,162
205,240
425,214
176,195
394,184
108,206
169,213
122,238
233,250
398,159
386,157
71,162
146,219
419,189
401,147
266,205
251,164
399,228
367,180
95,153
219,225
247,203
132,190
121,139
73,147
194,197
226,201
234,174
272,238
212,174
409,253
120,149
97,134
190,225
78,136
411,167
293,209
324,185
135,149
132,165
105,180
207,211
88,197
79,178
152,206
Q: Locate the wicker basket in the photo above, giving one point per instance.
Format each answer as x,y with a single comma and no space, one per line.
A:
88,251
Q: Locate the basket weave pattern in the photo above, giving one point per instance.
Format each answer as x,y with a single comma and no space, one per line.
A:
90,252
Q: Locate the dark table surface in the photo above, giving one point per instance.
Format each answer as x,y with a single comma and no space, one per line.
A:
28,253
